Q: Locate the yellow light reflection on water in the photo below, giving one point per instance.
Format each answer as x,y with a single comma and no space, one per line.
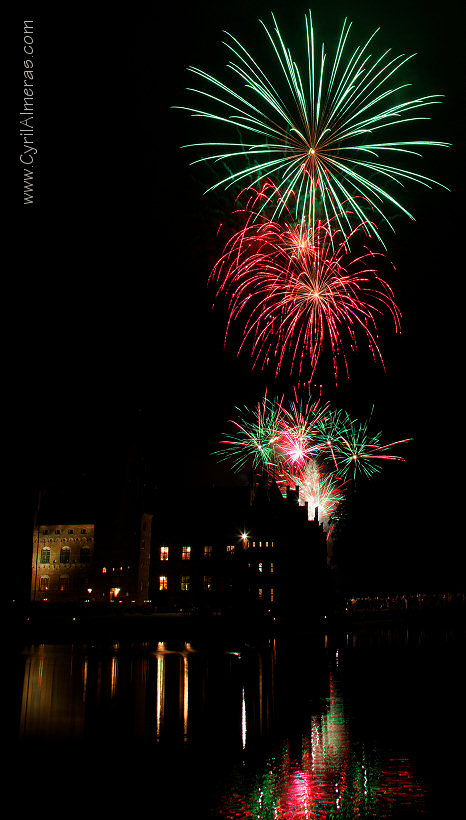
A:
185,696
160,698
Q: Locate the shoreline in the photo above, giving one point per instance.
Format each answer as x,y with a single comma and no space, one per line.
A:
31,625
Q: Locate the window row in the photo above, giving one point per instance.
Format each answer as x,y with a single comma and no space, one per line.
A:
186,552
63,583
207,551
58,532
65,555
259,544
69,539
264,567
186,584
265,594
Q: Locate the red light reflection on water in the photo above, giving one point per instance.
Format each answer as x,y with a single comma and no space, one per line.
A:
332,778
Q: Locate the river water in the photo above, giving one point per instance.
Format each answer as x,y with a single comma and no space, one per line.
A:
364,724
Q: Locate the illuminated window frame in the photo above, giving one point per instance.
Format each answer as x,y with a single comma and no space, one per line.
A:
186,553
163,582
45,555
65,553
185,583
164,553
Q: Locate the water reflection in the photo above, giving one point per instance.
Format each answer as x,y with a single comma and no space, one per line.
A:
284,715
325,776
54,694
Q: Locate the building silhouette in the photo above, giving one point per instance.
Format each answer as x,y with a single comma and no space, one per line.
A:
246,552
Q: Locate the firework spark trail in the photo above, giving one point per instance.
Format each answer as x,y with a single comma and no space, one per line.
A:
299,432
358,452
307,444
317,132
253,443
299,289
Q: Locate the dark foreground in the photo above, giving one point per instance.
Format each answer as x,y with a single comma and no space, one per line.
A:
180,717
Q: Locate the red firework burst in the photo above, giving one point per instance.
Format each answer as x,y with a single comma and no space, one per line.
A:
301,290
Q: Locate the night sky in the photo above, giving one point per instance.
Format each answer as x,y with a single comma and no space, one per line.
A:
113,339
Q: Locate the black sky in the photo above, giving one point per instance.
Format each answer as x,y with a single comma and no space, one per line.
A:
112,337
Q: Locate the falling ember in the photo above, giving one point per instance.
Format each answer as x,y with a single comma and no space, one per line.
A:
299,292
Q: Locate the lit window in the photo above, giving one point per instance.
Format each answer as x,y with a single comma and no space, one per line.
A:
207,552
230,549
64,584
65,555
163,582
186,553
85,555
208,583
185,583
104,570
164,553
259,593
44,583
266,544
45,555
271,567
260,567
271,595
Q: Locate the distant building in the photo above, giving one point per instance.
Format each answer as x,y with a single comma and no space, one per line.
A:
246,551
62,562
258,556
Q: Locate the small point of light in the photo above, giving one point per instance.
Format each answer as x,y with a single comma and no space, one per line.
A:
312,151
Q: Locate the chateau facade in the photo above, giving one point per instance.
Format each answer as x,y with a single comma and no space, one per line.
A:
249,553
62,562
